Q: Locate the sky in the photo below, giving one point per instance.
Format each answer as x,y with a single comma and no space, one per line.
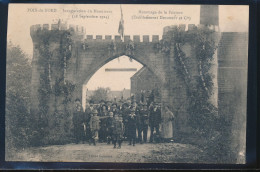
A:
22,16
107,79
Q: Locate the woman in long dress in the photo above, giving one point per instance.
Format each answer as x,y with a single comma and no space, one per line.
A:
167,128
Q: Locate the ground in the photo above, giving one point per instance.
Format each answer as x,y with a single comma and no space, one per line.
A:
160,153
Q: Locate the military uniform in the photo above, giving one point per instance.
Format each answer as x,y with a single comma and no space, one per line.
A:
117,131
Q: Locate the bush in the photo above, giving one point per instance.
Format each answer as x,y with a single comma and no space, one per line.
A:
18,79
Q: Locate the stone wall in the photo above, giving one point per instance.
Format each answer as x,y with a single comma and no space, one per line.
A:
232,79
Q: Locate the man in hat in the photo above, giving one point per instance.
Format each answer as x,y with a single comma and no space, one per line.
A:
131,127
139,122
155,120
103,129
117,130
91,105
144,120
125,112
114,108
86,122
109,129
94,126
78,121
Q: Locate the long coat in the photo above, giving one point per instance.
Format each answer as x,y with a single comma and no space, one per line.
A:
131,125
167,119
144,115
94,123
155,117
117,128
78,116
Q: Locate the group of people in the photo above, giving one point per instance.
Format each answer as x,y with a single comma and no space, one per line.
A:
115,122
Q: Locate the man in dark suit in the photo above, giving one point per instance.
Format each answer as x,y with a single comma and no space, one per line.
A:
87,116
78,121
131,126
154,120
144,116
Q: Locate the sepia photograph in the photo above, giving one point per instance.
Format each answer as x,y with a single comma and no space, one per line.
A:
126,83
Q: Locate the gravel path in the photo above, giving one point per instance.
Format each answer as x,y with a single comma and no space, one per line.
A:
160,153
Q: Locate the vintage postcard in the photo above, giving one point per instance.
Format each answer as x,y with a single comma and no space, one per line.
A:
126,83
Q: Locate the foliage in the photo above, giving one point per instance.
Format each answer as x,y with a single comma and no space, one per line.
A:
203,115
100,94
18,78
199,88
53,64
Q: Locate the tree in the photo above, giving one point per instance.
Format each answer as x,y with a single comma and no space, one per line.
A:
100,94
18,79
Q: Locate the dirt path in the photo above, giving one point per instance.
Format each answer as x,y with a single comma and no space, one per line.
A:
163,152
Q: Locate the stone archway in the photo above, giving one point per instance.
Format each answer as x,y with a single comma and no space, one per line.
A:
91,74
88,75
86,56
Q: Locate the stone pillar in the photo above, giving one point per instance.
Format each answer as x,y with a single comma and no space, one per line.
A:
209,18
166,89
51,36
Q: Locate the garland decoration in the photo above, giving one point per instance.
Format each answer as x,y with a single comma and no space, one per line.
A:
54,83
198,88
45,78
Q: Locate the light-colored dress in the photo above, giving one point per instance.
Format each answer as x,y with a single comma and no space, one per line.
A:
167,130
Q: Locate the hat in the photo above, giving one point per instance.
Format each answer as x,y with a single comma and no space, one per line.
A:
125,104
77,100
95,111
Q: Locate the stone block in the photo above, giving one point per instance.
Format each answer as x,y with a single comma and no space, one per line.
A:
136,38
99,37
146,38
155,38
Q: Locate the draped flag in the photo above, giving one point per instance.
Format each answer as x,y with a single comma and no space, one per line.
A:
121,25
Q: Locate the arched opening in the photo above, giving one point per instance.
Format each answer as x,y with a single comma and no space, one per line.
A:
122,77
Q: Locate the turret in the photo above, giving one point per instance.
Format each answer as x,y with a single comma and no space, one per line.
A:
209,16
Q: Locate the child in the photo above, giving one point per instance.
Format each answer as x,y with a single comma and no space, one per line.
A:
117,127
94,126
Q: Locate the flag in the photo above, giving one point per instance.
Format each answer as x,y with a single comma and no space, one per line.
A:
121,24
59,23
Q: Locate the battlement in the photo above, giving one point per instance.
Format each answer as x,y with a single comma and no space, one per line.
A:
126,38
143,38
79,30
61,26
